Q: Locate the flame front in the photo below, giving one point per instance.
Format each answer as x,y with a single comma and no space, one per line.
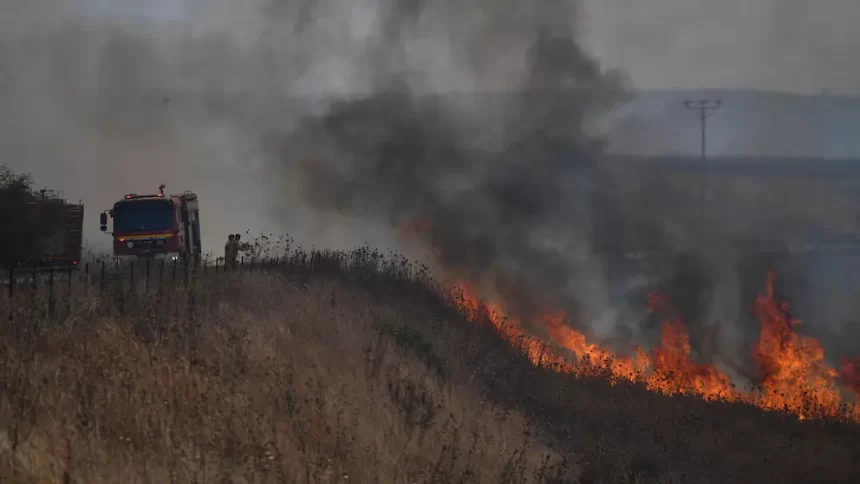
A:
793,374
676,372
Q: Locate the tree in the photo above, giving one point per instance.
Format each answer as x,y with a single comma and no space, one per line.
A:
27,216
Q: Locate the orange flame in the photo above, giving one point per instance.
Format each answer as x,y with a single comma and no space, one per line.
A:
592,355
793,373
674,370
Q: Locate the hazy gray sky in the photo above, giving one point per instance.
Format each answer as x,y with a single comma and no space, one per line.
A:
793,45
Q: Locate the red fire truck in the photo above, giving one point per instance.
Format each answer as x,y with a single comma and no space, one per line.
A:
147,226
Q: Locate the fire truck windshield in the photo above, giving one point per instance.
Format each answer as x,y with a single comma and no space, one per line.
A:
143,215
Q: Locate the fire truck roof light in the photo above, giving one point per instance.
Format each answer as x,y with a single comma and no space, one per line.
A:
128,196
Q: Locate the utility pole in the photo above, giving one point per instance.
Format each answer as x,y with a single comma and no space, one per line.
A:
706,109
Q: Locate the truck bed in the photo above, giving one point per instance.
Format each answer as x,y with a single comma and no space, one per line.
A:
62,247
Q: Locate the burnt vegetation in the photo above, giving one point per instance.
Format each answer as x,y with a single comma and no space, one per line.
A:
322,366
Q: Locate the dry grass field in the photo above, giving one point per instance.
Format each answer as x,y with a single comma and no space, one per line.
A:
348,368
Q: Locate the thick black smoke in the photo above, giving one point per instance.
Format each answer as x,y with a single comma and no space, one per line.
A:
508,184
493,182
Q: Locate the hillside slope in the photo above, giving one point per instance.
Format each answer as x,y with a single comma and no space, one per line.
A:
347,368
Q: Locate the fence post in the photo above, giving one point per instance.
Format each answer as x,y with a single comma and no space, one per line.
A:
119,294
186,268
11,293
146,285
161,278
33,296
175,295
192,293
133,288
69,289
51,291
102,280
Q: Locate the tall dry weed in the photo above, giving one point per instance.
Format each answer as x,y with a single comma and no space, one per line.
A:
343,367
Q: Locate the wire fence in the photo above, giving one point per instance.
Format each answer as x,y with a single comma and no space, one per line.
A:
159,286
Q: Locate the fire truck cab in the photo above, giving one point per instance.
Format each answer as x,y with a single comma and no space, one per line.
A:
158,225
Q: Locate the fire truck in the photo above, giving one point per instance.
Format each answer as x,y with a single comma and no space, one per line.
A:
157,225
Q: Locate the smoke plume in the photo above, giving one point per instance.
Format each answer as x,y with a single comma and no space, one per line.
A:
492,179
503,178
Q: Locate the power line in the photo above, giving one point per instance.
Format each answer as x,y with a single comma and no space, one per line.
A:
706,108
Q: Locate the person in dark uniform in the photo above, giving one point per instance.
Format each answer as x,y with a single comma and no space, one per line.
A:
229,258
240,246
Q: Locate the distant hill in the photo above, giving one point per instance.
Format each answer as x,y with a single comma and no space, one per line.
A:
750,123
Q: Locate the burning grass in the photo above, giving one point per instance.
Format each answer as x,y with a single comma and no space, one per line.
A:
794,376
354,367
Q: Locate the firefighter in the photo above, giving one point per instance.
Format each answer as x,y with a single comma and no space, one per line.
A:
229,259
240,246
236,247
